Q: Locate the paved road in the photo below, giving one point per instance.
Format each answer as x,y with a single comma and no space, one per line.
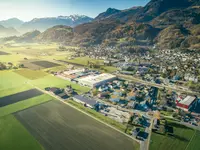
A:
61,100
145,144
177,88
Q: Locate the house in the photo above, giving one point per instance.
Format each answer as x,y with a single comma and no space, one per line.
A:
55,90
85,101
131,104
135,132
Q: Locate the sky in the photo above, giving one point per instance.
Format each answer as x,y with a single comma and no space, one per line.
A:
28,9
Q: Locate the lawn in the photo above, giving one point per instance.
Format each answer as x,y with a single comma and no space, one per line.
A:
195,144
180,140
13,136
76,131
31,74
52,81
24,104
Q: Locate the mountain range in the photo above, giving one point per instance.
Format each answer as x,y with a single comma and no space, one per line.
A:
166,24
42,24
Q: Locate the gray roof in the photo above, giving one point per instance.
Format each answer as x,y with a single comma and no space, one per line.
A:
86,100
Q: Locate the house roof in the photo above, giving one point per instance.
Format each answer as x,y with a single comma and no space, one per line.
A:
86,100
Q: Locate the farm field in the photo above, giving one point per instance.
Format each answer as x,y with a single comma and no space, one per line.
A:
194,144
9,109
13,136
75,130
11,99
30,74
4,53
180,140
10,80
45,64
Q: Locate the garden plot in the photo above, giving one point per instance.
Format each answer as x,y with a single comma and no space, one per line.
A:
11,99
76,131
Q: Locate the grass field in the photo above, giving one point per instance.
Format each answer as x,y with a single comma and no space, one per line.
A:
31,74
52,81
180,140
10,80
84,60
13,136
76,131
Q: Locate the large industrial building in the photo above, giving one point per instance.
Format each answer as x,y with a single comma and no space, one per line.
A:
96,80
185,103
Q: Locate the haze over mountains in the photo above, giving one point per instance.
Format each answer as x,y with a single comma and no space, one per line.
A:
42,24
164,23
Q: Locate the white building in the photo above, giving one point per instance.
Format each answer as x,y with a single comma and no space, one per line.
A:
70,72
96,80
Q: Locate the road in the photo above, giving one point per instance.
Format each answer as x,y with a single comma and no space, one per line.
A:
145,144
177,88
61,100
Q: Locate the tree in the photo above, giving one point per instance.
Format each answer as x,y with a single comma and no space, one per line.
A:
21,66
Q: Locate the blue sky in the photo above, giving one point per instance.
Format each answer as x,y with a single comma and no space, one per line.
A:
29,9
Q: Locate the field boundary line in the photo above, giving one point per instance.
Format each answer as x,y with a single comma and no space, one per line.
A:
191,139
84,113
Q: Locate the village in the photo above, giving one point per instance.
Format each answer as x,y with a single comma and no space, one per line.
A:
126,101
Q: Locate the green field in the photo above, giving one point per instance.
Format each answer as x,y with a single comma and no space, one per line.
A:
180,140
10,80
52,81
13,136
63,127
24,104
84,60
195,142
30,74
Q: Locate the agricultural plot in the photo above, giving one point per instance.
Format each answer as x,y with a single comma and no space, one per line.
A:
10,80
11,99
9,109
13,136
31,74
28,64
45,64
179,141
76,131
194,144
4,53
